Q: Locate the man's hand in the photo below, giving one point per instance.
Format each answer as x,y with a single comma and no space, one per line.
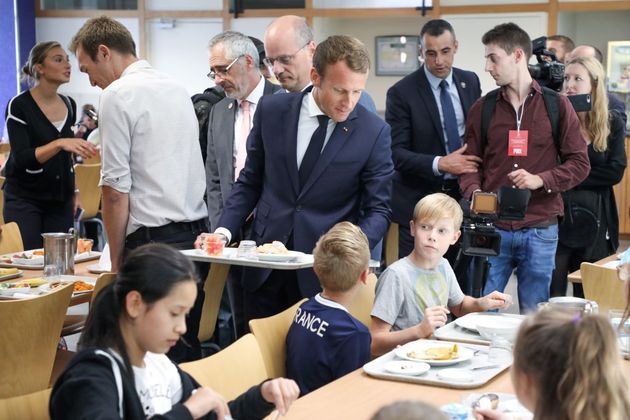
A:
458,163
523,179
434,317
495,300
201,238
281,392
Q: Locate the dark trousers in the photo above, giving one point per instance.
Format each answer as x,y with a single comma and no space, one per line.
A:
35,217
188,348
279,292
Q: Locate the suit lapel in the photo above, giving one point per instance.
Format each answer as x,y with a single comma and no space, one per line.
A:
463,92
424,87
228,132
337,140
290,136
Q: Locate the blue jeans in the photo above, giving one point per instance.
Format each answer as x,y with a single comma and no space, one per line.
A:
532,252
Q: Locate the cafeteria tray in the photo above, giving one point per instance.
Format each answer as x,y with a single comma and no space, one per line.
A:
453,332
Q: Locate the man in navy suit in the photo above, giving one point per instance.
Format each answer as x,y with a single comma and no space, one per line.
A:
426,160
313,159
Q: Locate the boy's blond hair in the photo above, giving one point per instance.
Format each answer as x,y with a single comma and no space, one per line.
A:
341,255
438,206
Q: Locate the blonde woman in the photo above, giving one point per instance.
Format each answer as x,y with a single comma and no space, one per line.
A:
39,187
567,367
591,232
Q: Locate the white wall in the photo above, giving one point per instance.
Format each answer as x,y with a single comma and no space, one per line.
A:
62,30
184,4
251,26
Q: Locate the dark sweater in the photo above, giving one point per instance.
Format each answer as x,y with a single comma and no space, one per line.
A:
87,390
28,129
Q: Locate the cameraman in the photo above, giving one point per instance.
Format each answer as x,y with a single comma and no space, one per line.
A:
520,118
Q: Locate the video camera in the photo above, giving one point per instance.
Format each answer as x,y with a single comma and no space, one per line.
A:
548,71
480,238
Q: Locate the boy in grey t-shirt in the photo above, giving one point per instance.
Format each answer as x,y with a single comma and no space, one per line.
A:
416,293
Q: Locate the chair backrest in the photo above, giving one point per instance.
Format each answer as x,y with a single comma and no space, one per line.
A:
32,406
602,285
87,178
231,371
101,282
213,288
391,244
11,239
2,200
361,305
271,334
28,340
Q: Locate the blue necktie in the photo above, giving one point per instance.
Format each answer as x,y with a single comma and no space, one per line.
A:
453,140
313,150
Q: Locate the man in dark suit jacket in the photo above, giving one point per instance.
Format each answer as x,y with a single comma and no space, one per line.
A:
420,148
226,126
349,179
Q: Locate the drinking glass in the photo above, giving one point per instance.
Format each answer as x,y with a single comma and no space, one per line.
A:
50,271
623,331
500,350
246,249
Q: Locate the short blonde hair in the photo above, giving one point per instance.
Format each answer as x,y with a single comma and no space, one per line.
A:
341,255
438,206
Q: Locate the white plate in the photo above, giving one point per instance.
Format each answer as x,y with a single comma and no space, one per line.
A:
36,260
69,279
406,367
455,375
292,255
97,269
470,321
464,353
11,276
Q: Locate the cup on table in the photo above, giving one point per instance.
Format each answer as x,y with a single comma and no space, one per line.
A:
623,331
51,270
213,244
500,350
246,249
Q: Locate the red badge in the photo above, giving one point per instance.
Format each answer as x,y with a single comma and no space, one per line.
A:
517,143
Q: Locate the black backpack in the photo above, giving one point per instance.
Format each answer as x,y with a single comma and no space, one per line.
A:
203,103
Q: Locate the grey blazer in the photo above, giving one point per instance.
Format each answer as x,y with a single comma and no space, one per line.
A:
220,160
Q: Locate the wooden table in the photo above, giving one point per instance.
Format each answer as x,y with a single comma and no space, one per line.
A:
358,396
576,276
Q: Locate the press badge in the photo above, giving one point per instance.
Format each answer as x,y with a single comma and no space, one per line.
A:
517,143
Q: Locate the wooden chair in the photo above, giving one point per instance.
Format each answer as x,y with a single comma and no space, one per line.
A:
391,244
74,323
361,306
213,288
28,340
87,178
11,239
231,371
32,406
602,285
271,334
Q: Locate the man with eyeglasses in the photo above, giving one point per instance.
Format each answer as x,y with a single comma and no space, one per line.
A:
234,66
314,159
289,48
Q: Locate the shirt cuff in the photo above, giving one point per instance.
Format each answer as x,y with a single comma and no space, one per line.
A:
224,231
436,171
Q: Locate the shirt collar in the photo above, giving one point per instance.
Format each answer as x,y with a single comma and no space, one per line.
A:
313,109
330,303
534,88
435,81
255,95
135,66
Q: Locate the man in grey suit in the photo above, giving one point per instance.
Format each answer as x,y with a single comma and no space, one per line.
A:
234,65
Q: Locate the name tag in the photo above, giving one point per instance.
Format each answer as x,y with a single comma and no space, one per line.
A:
517,143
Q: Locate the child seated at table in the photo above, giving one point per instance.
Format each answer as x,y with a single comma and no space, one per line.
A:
324,341
416,293
409,410
122,370
568,367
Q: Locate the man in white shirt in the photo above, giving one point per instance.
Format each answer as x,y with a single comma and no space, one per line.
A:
152,172
234,66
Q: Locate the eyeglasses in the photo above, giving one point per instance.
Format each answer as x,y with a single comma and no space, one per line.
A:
222,72
283,59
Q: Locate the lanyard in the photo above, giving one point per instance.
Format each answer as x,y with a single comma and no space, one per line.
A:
519,118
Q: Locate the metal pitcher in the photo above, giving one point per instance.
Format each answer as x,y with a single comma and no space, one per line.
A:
59,250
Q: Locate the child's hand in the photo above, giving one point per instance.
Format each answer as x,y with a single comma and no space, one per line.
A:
495,300
489,414
434,317
204,400
281,392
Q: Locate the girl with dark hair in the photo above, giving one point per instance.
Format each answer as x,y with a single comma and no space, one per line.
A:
39,189
567,367
122,371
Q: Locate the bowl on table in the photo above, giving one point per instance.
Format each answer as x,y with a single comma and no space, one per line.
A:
498,326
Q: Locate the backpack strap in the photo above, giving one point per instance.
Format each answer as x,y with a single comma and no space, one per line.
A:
552,103
489,104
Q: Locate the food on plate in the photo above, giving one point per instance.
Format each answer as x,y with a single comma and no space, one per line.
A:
79,285
16,285
25,256
39,252
8,271
35,282
276,247
435,353
84,245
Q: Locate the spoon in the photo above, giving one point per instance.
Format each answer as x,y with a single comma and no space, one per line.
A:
488,400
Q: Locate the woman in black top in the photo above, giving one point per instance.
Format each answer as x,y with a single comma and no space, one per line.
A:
39,187
604,132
